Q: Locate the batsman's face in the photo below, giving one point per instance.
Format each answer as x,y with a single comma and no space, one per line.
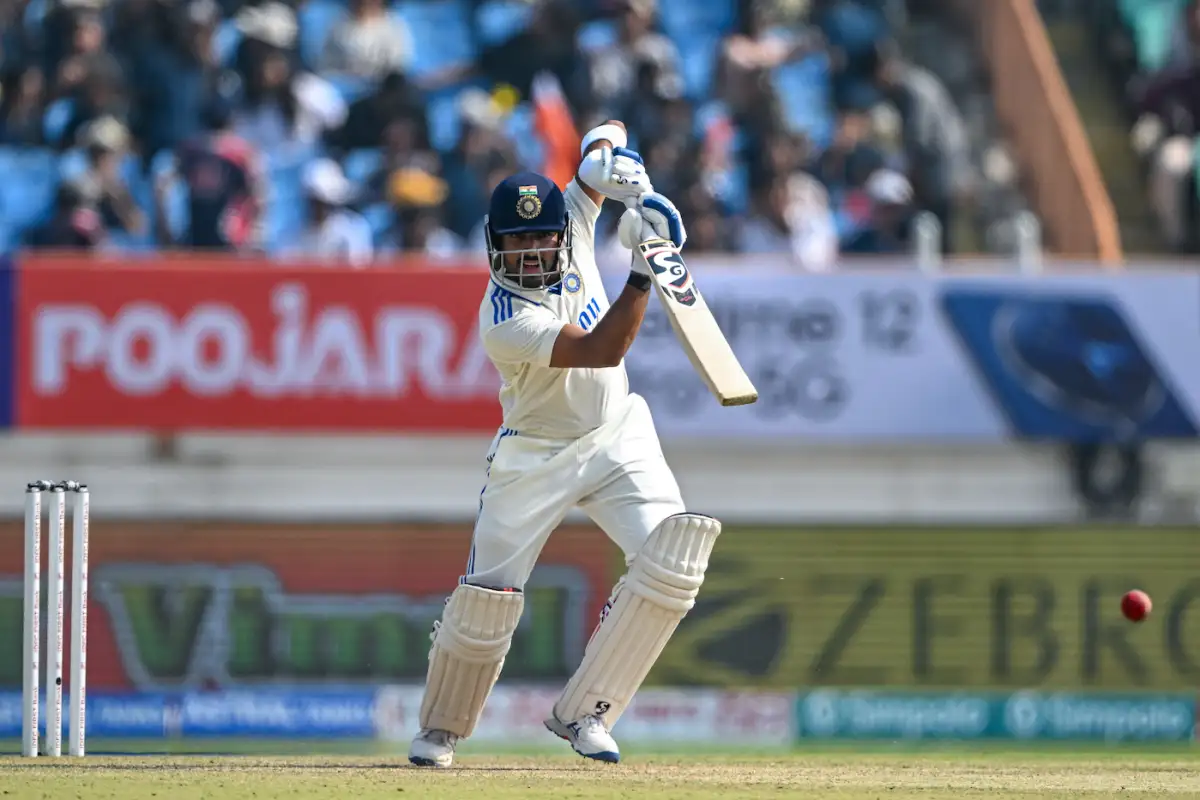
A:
530,255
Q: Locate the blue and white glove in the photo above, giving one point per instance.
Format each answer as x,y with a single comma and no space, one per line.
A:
651,216
617,173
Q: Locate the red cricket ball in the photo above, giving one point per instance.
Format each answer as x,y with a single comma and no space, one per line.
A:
1136,605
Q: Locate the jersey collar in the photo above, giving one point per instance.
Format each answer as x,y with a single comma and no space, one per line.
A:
520,295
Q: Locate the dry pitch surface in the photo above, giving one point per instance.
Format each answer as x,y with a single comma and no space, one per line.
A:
813,777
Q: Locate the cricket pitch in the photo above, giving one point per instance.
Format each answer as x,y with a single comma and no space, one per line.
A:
842,776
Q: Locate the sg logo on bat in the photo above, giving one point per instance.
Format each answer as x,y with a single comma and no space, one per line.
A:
665,260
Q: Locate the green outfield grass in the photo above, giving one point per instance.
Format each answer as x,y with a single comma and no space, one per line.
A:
842,774
551,746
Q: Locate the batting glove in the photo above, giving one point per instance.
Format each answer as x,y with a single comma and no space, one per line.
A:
652,216
617,173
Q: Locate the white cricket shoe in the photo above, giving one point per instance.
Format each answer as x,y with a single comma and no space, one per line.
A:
588,737
433,748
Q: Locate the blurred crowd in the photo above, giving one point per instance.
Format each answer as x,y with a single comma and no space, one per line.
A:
1154,49
355,128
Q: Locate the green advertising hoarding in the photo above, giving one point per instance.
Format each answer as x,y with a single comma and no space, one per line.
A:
196,605
943,608
177,605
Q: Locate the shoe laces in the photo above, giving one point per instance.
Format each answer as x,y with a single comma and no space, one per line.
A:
588,724
439,737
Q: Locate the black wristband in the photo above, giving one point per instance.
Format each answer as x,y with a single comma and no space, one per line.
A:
639,281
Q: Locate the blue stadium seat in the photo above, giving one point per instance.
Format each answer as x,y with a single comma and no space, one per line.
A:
294,155
317,19
445,120
804,89
142,188
121,242
177,210
699,56
225,42
56,118
29,185
732,190
72,164
380,217
441,33
596,35
350,87
142,191
161,162
681,19
177,200
9,236
499,20
134,176
285,212
521,132
361,165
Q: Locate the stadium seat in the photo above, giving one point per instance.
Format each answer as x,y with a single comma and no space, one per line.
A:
285,212
225,42
350,87
176,201
682,19
317,19
699,56
733,191
56,118
520,129
29,185
72,164
805,92
361,165
380,217
445,120
499,20
441,33
596,35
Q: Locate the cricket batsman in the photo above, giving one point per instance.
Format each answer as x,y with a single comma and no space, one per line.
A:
572,435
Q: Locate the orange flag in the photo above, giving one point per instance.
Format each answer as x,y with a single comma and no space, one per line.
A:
553,121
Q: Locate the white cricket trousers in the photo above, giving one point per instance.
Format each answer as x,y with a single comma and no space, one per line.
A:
616,474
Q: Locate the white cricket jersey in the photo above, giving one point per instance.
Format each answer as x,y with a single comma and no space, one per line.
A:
519,329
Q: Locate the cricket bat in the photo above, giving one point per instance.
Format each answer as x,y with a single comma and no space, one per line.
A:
694,325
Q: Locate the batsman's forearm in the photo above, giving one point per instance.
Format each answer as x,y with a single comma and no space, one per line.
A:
617,329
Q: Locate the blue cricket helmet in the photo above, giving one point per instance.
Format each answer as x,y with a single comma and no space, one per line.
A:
528,203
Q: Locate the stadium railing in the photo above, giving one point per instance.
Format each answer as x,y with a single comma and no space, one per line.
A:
1038,113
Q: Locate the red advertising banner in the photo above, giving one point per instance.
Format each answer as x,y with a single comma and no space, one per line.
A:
218,343
223,605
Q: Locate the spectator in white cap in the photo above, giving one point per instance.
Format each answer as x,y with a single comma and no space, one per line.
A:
282,107
891,197
335,233
106,142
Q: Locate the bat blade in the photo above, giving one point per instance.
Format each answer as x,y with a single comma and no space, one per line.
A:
694,325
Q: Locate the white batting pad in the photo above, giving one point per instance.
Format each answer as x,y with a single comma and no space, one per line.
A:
658,591
469,646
